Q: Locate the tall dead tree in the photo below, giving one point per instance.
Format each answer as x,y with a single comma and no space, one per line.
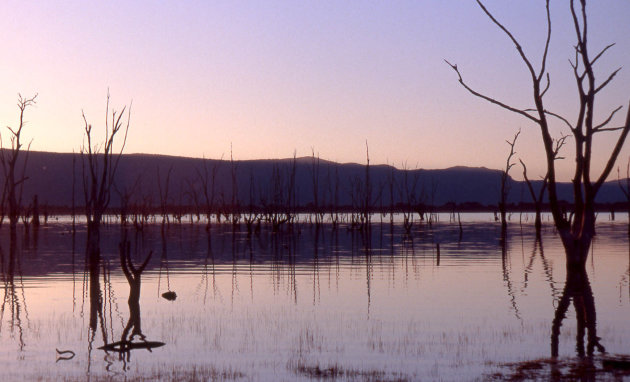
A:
13,178
100,162
577,230
319,213
367,203
505,185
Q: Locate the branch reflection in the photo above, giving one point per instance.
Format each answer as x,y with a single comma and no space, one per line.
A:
577,290
14,298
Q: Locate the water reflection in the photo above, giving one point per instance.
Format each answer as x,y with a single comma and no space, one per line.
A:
539,249
392,297
585,366
14,299
169,294
578,290
92,275
506,269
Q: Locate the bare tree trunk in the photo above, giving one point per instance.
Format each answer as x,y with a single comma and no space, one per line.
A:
9,159
577,232
99,170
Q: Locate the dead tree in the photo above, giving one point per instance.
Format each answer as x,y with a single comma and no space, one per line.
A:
577,230
13,179
207,177
278,207
367,204
626,190
99,169
125,195
192,192
235,205
319,213
74,183
391,182
163,192
292,198
537,199
333,196
133,328
408,197
251,216
35,219
505,186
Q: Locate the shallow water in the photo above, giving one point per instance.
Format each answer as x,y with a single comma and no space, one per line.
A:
315,303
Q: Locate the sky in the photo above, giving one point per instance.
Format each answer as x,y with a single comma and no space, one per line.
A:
270,78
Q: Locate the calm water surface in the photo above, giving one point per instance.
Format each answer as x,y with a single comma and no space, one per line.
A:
299,306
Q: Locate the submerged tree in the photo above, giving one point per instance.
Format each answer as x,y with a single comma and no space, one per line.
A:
537,199
99,169
577,230
13,178
626,190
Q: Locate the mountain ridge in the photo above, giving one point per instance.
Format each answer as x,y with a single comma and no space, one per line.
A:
53,176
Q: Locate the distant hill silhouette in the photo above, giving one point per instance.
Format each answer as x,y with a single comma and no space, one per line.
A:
50,176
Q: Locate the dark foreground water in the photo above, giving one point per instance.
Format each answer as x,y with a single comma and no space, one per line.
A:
310,305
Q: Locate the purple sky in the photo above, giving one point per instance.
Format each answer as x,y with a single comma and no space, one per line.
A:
274,77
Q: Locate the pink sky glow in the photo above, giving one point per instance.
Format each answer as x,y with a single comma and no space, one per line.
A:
275,77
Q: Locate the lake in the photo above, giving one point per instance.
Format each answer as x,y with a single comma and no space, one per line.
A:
311,304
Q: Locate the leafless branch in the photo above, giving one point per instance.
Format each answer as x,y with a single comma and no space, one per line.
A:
511,36
563,119
607,120
601,53
489,99
610,78
542,94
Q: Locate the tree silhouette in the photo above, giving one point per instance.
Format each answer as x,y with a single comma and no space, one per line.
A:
99,169
576,230
13,180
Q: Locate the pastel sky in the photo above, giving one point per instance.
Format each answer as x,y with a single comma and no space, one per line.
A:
274,77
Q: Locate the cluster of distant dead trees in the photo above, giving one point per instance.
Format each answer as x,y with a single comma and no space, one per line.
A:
274,201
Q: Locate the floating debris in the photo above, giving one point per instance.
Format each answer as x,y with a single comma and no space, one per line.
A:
64,355
125,346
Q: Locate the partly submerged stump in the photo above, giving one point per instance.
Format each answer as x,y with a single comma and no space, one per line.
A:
170,295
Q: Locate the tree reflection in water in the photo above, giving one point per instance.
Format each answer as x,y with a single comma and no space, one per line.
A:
577,289
585,366
13,294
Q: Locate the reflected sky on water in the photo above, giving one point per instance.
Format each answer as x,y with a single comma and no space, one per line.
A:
290,305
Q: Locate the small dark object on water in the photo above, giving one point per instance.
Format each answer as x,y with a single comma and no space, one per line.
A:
125,346
170,295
